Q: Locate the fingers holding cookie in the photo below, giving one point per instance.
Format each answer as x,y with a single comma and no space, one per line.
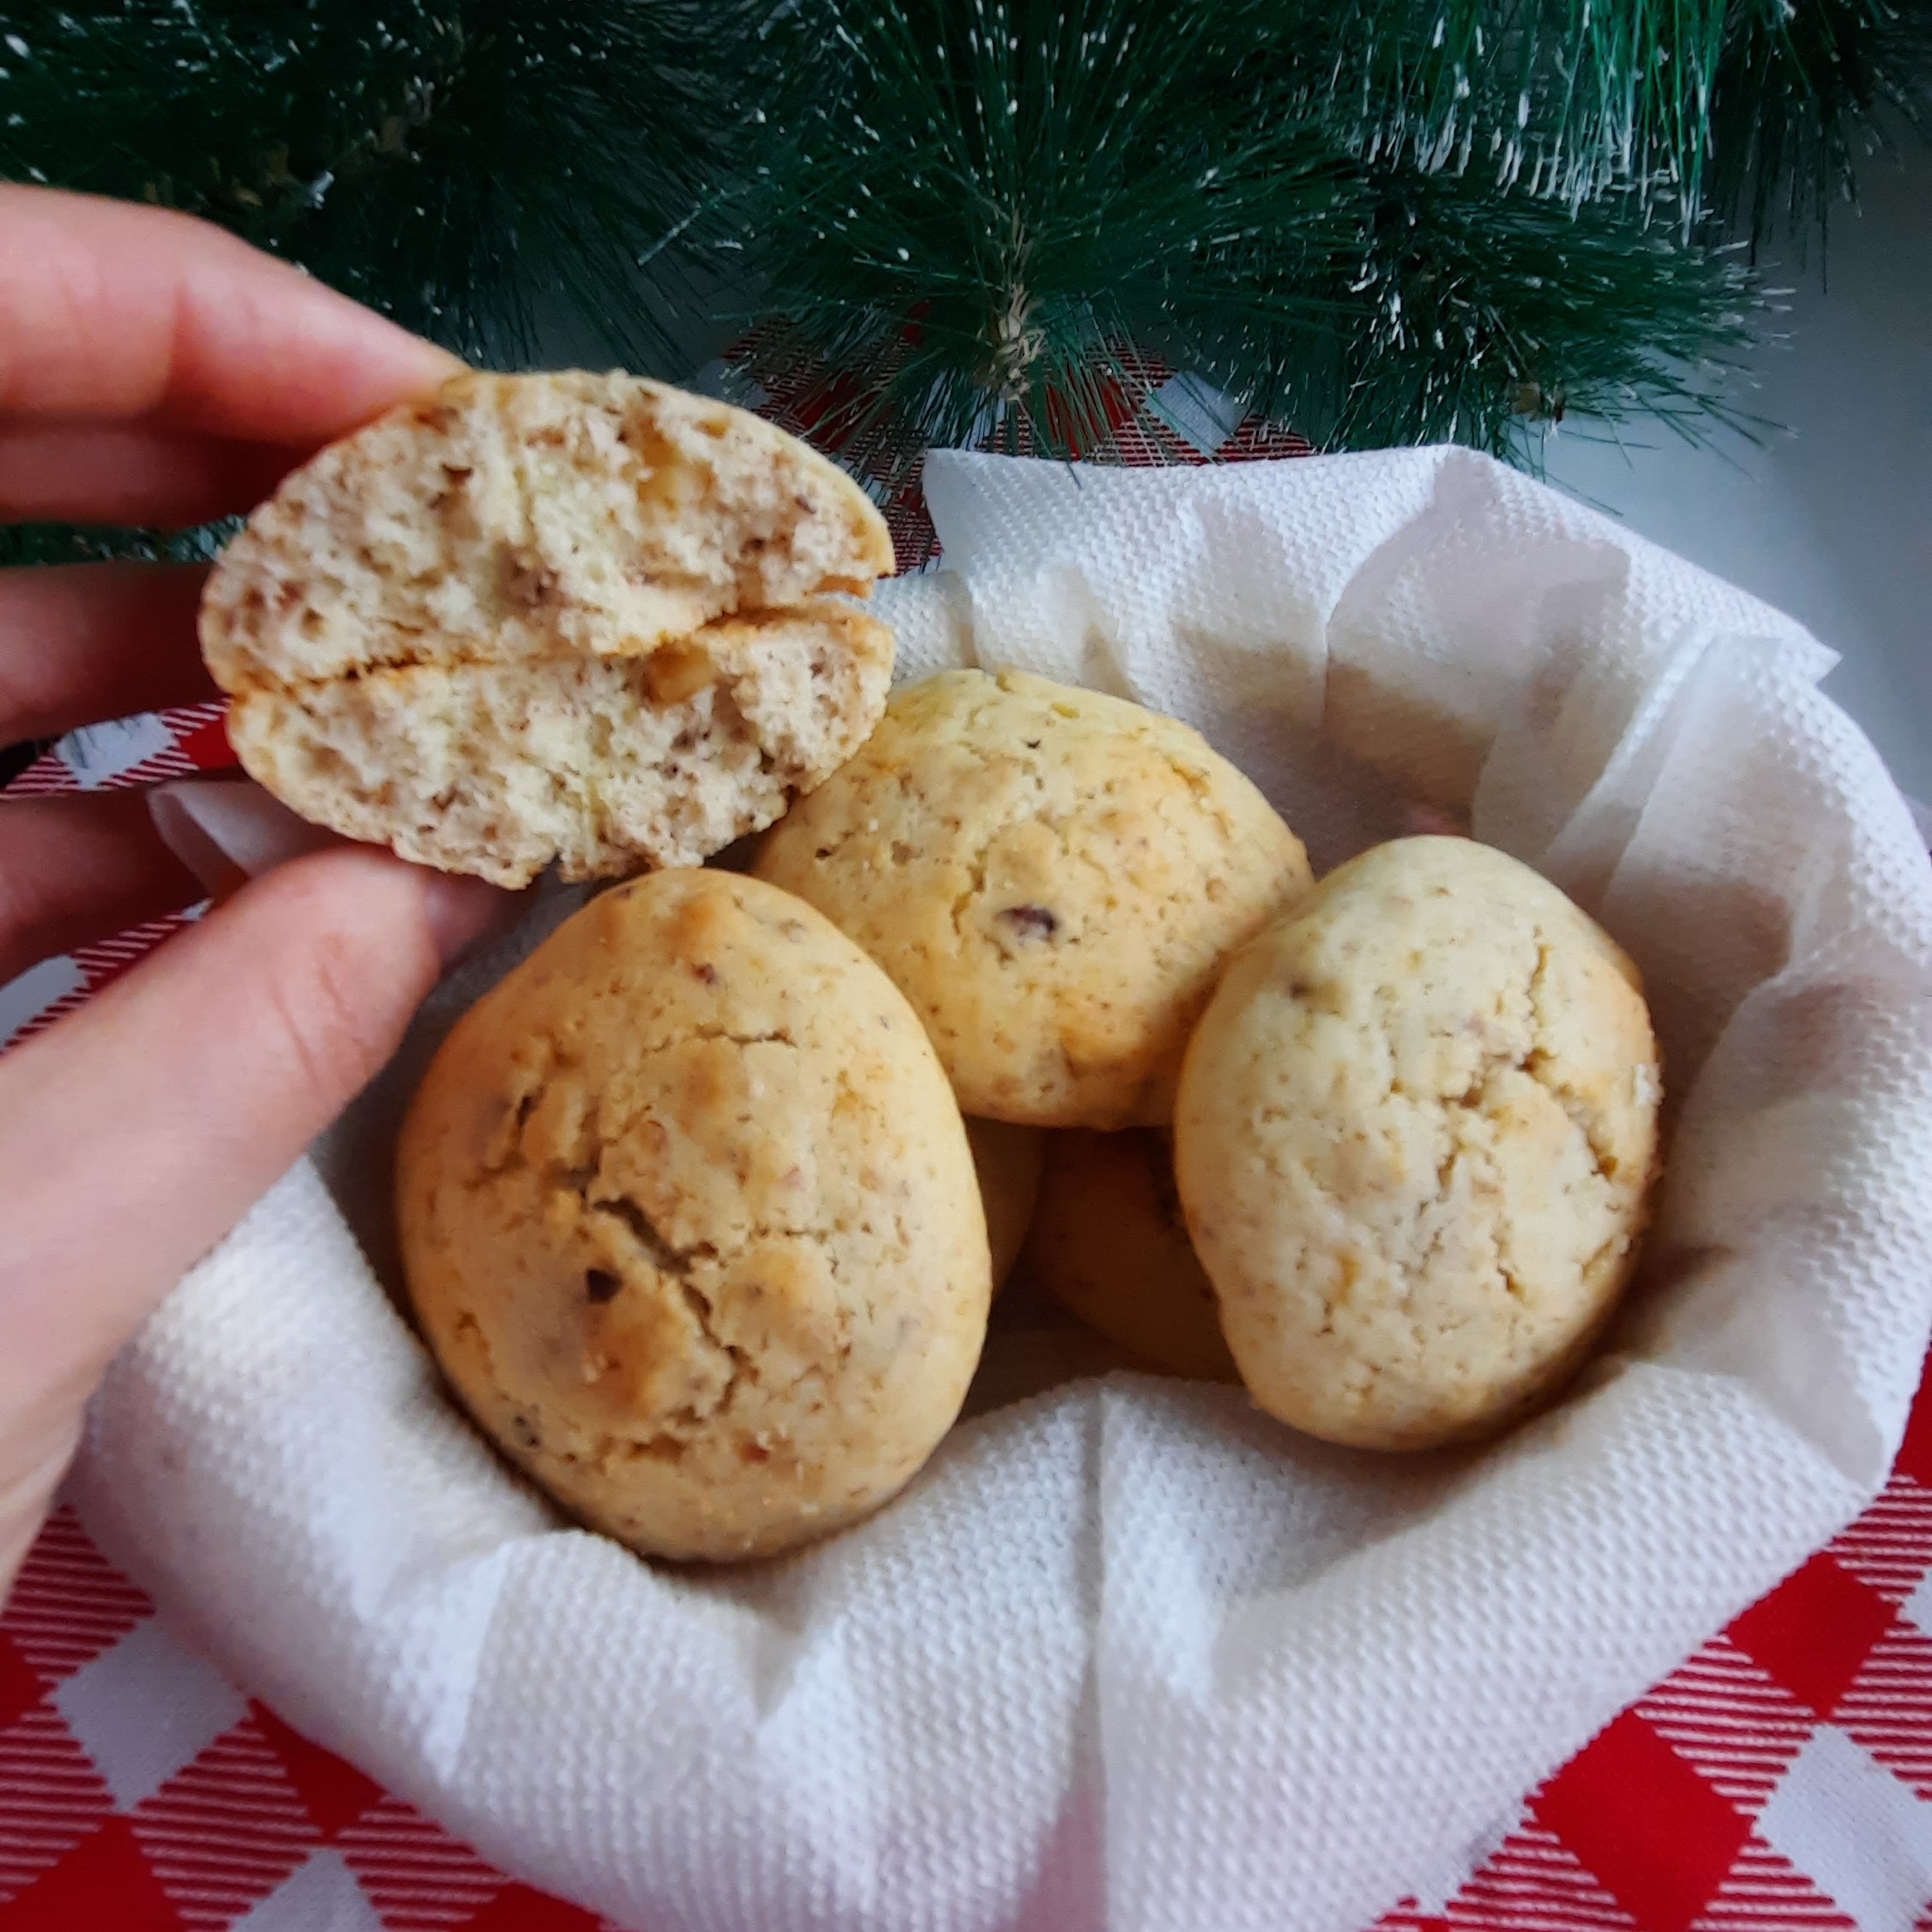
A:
77,868
118,314
77,645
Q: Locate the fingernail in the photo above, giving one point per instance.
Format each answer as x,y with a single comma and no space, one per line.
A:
227,831
461,911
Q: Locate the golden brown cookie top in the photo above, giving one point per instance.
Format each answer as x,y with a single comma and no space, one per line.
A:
1416,1131
688,1215
1054,877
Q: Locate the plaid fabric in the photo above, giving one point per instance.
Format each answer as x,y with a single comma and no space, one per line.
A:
1153,417
1781,1779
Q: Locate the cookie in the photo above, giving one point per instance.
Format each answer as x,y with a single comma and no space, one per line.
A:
1053,877
1416,1133
1109,1243
1007,1160
689,1217
567,617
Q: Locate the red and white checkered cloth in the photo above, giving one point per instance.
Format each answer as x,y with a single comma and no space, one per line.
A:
1781,1779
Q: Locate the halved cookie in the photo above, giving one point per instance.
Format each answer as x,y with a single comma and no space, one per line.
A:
567,617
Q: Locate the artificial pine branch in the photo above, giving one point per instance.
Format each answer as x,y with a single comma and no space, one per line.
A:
1799,100
62,542
460,165
969,203
1565,99
954,227
473,168
1487,319
1385,220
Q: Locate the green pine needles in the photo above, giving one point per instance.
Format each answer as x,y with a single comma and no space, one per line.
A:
484,172
473,169
964,221
1377,225
1796,105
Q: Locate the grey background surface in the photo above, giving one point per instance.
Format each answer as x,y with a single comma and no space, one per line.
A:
1830,518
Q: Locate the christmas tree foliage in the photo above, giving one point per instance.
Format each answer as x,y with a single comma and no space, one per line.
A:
1384,222
1388,224
461,167
475,170
966,220
1796,101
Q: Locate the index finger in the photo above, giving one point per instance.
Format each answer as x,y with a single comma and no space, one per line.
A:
111,313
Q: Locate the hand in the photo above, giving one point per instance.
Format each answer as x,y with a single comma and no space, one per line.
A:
154,371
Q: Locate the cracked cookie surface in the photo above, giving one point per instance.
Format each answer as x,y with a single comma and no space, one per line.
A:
689,1217
1053,877
1109,1243
561,616
1416,1133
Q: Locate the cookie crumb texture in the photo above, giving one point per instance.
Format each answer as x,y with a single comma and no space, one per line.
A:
1053,877
566,617
689,1217
1416,1133
1109,1242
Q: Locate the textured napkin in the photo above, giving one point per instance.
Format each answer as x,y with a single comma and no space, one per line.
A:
1128,1654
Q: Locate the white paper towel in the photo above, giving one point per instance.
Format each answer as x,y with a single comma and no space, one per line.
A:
1130,1656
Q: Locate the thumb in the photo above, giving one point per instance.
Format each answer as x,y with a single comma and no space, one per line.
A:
135,1134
